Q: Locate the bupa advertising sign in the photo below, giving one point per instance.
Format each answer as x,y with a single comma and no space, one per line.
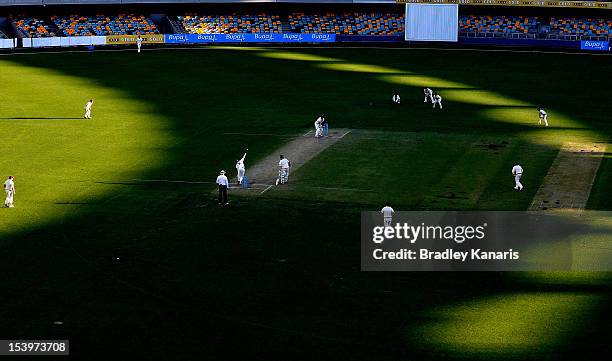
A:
249,38
595,45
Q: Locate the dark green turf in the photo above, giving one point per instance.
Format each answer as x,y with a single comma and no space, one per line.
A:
278,276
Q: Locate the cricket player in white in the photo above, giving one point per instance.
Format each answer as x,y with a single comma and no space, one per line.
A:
240,167
88,109
387,213
139,43
396,98
9,189
437,99
319,127
543,117
283,170
517,172
428,95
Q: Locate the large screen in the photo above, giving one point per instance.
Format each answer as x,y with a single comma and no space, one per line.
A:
432,22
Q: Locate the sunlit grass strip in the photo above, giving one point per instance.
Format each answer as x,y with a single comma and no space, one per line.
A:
565,278
287,55
422,81
360,68
505,325
58,155
529,116
482,97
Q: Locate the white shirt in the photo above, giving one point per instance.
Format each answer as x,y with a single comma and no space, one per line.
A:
438,98
88,105
517,169
428,91
387,212
240,163
139,41
284,163
222,180
542,113
9,185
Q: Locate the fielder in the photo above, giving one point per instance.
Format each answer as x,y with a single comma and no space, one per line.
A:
387,213
318,124
543,117
517,172
437,99
428,95
283,170
88,109
139,43
240,168
9,189
396,98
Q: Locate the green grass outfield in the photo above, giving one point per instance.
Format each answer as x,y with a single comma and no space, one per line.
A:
131,266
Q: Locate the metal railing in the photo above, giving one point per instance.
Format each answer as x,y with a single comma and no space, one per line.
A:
474,34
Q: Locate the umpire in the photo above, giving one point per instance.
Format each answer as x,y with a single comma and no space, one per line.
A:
223,185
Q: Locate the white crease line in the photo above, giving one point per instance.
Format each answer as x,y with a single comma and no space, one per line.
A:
262,192
342,136
308,132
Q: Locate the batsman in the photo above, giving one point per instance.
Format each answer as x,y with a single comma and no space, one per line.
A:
283,170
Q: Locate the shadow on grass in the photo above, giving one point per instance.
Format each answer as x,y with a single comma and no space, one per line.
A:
271,278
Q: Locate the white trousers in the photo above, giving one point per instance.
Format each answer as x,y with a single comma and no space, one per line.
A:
319,132
517,182
284,175
545,119
241,171
9,198
388,221
426,97
436,102
88,113
139,45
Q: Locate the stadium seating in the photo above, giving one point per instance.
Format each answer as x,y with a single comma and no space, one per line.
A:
122,24
32,27
230,24
581,27
347,23
498,24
